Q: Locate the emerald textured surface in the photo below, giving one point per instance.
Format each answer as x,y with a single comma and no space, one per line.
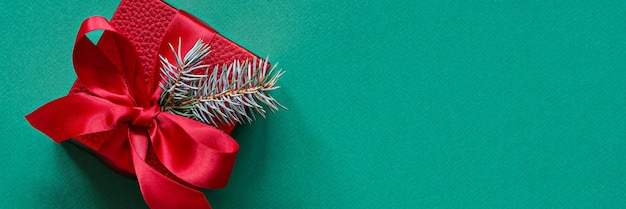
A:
392,104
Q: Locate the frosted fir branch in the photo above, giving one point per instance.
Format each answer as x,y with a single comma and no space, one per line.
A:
232,96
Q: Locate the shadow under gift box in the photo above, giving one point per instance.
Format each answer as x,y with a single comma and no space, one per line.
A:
144,23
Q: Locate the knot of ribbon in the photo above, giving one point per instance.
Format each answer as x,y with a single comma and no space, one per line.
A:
146,115
198,155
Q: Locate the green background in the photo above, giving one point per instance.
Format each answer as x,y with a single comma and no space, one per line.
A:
392,104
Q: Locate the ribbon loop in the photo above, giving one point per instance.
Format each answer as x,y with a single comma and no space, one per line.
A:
188,146
90,64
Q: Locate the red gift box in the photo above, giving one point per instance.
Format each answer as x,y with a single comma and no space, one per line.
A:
118,94
144,23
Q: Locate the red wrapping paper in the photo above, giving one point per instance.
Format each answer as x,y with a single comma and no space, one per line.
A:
144,23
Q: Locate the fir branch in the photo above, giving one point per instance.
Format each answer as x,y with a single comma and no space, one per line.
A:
232,96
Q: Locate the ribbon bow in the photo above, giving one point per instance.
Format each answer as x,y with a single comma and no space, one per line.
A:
197,154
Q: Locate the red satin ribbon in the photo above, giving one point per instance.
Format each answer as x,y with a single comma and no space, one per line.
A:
119,100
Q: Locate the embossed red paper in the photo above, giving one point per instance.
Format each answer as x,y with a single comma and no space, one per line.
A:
113,110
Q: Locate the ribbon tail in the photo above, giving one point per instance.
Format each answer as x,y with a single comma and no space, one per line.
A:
116,152
159,191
